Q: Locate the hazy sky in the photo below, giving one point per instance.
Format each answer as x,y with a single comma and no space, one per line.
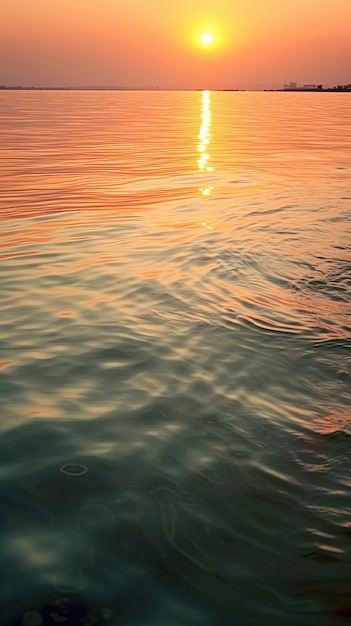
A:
144,43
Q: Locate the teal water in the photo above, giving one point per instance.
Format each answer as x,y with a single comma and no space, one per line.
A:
175,334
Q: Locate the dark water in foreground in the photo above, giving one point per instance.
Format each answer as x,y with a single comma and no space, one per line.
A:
175,375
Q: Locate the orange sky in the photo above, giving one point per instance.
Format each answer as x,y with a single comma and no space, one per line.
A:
144,43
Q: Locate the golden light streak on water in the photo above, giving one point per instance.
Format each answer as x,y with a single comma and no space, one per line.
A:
204,138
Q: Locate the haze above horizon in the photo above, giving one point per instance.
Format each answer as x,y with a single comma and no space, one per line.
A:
191,45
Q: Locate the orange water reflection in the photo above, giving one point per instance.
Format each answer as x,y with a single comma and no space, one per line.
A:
204,138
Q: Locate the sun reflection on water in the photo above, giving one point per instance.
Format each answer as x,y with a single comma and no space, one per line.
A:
204,140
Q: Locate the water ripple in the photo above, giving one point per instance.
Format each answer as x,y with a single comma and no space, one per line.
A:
175,359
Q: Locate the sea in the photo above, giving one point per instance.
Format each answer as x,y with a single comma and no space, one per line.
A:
175,363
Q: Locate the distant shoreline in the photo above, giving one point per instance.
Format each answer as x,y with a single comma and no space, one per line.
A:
286,90
298,89
328,90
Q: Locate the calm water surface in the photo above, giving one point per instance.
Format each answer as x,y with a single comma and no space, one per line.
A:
175,328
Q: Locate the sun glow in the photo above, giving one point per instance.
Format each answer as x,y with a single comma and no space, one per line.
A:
207,39
207,36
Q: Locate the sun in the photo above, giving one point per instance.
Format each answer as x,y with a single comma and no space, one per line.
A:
207,39
207,36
